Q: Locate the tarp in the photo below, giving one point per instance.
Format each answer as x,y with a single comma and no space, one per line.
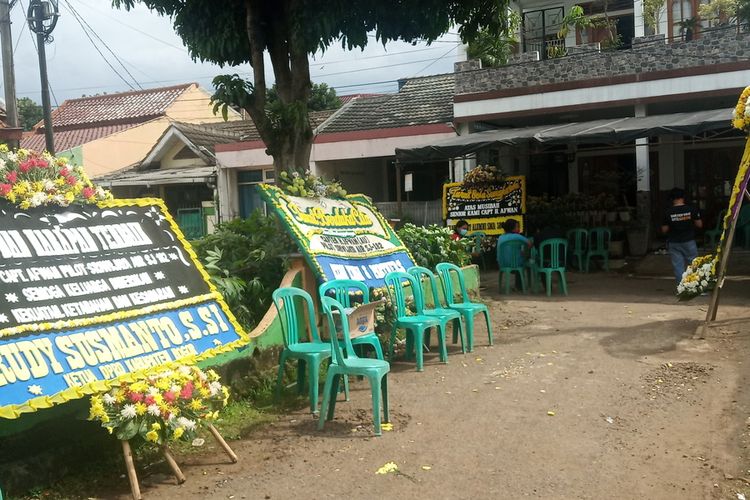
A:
607,131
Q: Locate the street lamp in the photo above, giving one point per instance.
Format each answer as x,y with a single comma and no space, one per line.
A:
42,17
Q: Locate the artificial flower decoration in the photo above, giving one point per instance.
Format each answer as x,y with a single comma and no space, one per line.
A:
310,186
483,177
741,113
29,179
168,406
698,278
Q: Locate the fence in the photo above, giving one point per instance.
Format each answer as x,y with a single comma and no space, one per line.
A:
419,212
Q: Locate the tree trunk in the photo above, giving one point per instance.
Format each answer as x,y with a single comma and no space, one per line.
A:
292,152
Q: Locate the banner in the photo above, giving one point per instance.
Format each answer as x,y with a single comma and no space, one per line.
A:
94,294
485,209
341,239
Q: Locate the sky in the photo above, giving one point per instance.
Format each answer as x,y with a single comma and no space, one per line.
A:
154,56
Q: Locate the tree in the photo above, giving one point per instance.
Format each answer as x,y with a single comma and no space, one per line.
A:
232,32
494,49
29,113
322,97
652,12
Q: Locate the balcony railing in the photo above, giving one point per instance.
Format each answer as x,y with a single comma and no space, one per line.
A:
548,49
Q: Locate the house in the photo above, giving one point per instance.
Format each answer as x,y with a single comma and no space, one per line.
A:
355,144
181,169
107,133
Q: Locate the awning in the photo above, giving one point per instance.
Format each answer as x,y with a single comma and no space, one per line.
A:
158,177
608,131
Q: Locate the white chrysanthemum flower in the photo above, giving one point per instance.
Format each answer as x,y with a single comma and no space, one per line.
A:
128,411
214,387
188,424
109,399
153,410
153,391
37,199
49,185
12,156
175,388
185,370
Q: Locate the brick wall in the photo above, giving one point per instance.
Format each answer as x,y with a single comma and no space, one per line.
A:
714,47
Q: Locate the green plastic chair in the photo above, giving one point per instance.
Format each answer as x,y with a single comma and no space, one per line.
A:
599,238
533,265
415,325
510,259
478,236
342,291
345,363
552,257
445,314
306,353
466,307
578,240
711,236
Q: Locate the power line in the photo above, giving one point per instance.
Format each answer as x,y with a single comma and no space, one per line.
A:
436,60
83,26
20,33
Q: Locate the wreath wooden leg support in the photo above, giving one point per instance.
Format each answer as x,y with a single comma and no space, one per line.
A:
224,445
172,464
132,476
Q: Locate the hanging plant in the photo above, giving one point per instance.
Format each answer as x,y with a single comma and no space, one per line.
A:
310,186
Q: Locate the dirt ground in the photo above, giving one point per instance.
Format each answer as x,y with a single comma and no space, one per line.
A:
601,394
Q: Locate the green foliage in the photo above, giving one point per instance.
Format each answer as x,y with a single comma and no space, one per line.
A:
719,11
743,13
494,48
652,11
322,97
245,258
576,18
29,113
433,244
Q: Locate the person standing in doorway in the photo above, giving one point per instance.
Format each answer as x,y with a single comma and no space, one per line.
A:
679,224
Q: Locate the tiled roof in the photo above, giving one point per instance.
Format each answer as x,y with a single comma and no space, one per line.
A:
350,97
122,107
421,101
68,139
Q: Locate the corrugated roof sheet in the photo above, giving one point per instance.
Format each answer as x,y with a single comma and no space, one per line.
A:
421,101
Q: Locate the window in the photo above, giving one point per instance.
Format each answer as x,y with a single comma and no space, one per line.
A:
249,197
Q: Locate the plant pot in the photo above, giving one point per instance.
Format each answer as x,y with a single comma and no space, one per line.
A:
616,249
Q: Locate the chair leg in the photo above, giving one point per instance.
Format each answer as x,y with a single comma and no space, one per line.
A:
441,342
280,376
390,344
332,400
563,283
314,372
375,390
301,376
507,275
489,326
419,349
548,277
378,349
326,401
469,322
458,325
384,391
523,281
346,387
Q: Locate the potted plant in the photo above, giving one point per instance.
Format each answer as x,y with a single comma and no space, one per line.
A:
688,27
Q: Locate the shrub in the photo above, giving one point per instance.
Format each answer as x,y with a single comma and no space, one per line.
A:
433,244
246,259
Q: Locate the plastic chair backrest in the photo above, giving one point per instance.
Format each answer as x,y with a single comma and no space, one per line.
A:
599,238
395,283
329,304
477,236
422,272
445,270
578,238
284,300
342,291
550,255
510,254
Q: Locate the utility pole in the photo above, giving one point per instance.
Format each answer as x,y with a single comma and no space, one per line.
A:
42,18
9,76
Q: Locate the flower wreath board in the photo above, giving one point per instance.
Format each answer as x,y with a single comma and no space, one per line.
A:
344,238
485,208
95,295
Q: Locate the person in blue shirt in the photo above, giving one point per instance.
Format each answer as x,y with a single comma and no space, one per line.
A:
512,232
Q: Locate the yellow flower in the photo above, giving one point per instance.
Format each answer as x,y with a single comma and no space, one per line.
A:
25,204
204,392
196,404
4,148
156,426
152,436
178,432
140,409
139,386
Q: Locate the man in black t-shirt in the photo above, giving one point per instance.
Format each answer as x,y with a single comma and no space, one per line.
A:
680,221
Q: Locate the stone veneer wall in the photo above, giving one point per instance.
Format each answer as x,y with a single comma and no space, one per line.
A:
713,47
